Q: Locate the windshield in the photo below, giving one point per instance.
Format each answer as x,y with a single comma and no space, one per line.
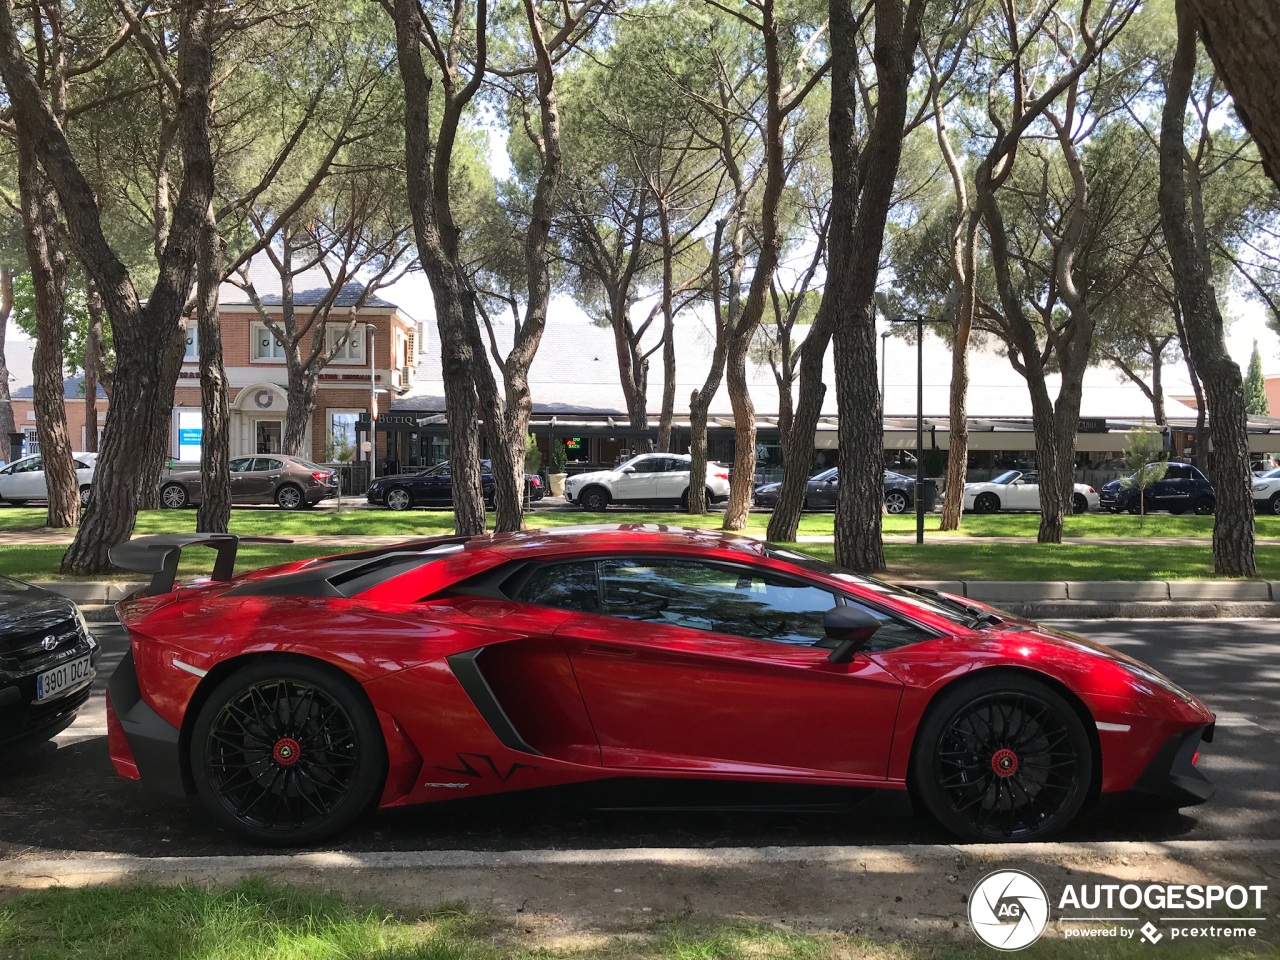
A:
952,610
826,474
1007,477
1271,474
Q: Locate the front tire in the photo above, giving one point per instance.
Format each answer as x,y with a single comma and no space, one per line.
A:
289,497
1204,506
84,496
594,500
1003,758
398,498
173,496
895,502
986,503
287,753
1274,504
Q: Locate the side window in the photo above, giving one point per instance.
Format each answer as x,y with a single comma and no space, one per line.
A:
267,464
241,465
672,465
81,465
34,465
648,465
893,633
1030,479
1177,473
716,599
567,586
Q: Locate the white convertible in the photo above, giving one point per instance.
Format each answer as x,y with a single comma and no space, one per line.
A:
1020,491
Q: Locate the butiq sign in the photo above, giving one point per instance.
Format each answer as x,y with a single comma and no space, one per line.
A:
1010,910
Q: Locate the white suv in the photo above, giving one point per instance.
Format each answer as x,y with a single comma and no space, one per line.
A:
1266,492
23,479
650,479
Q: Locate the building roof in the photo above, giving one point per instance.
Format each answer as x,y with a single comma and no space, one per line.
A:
309,287
576,372
72,389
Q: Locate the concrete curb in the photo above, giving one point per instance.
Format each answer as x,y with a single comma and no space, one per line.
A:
101,867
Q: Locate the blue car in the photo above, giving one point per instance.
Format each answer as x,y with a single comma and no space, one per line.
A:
1183,489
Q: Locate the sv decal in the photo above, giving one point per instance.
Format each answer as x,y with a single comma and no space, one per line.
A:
469,770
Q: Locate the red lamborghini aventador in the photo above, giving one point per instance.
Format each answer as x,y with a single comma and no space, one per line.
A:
294,699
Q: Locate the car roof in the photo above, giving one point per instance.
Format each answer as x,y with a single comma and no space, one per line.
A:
592,537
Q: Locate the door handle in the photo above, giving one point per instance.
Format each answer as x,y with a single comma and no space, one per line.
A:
602,650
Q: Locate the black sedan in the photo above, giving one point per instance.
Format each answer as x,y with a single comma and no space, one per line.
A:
48,660
433,487
899,492
1183,489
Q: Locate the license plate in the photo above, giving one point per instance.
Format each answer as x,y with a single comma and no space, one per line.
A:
53,682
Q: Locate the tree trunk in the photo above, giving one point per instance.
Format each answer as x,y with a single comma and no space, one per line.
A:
744,437
700,400
214,513
668,331
1157,387
7,425
437,249
92,361
1233,546
964,270
868,183
48,278
798,442
300,406
1243,38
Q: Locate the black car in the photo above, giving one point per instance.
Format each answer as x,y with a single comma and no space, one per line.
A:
899,492
48,660
1183,489
433,487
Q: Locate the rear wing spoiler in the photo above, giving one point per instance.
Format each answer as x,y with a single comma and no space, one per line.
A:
158,555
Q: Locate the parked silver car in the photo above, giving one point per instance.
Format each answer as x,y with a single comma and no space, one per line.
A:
23,479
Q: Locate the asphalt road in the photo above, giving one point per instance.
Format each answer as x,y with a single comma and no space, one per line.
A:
64,797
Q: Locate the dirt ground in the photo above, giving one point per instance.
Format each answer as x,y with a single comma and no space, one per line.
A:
568,899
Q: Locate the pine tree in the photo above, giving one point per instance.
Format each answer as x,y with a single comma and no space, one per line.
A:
1255,386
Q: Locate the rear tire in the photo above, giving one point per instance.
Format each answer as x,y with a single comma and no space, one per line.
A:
1204,506
84,496
1079,504
895,502
1002,758
173,496
289,497
271,767
1274,503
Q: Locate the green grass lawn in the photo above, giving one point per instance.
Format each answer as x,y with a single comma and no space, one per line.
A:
933,561
269,521
269,922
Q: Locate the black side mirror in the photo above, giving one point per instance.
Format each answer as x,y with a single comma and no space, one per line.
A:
847,631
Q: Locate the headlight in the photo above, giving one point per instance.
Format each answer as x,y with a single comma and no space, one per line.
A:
1150,676
1259,487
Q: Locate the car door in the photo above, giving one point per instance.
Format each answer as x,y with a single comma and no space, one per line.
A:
823,490
240,469
712,668
26,482
432,486
637,481
1173,491
670,478
1024,493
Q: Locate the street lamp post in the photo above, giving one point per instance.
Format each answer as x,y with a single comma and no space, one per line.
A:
919,319
373,402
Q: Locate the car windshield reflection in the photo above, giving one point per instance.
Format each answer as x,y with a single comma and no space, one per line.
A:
1007,477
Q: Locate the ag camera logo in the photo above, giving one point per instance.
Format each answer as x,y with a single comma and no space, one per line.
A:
1008,910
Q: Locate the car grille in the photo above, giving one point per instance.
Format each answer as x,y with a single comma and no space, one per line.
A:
25,651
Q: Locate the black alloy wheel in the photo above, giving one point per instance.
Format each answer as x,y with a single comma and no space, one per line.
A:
986,503
1005,759
173,496
287,753
1204,506
1079,503
895,501
595,500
